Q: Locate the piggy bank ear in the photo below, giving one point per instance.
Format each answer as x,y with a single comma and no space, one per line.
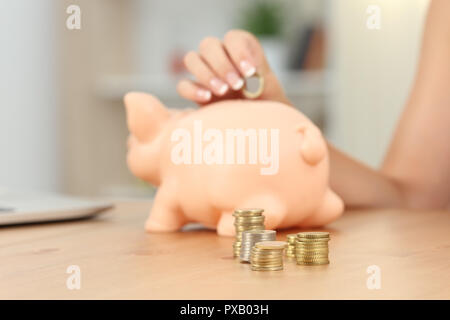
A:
145,115
313,148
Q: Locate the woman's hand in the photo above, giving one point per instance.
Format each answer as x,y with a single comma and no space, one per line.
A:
220,68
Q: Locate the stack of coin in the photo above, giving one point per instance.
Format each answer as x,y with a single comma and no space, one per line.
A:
291,240
251,237
311,248
244,220
268,255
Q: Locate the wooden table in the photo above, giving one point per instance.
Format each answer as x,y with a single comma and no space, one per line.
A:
118,259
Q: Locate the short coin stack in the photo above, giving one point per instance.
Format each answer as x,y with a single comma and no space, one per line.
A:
251,237
291,240
311,248
244,220
268,255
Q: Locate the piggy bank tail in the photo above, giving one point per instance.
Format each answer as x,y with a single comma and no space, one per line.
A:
313,148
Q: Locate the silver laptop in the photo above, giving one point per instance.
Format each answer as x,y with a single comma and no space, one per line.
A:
30,207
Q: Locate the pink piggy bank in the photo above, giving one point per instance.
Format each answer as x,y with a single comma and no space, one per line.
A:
230,154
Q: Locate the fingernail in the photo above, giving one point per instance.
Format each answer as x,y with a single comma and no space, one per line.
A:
247,69
218,86
235,81
204,95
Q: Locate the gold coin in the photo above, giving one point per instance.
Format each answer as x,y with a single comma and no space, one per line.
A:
262,258
261,269
243,212
313,235
266,263
248,223
312,260
266,266
313,263
312,240
315,244
243,222
266,256
311,254
258,249
267,269
256,257
316,257
240,217
249,226
291,238
239,232
290,255
253,95
308,248
271,245
311,251
263,232
312,246
259,254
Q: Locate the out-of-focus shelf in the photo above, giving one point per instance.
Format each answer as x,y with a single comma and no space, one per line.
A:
297,84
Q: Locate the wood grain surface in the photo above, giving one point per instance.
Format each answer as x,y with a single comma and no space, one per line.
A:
118,260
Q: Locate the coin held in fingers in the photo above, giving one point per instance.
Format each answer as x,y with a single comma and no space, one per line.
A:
252,90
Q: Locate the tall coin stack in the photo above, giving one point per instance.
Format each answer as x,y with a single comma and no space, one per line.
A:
251,237
311,248
268,255
291,240
245,220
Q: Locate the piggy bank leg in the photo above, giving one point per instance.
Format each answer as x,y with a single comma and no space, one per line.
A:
165,215
225,225
331,208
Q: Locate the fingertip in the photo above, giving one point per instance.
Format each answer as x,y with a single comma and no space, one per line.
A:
180,87
247,68
235,81
203,95
193,92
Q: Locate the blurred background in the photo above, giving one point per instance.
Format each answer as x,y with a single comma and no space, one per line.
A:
62,120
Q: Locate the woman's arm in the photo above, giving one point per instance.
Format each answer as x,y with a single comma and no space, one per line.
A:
416,171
